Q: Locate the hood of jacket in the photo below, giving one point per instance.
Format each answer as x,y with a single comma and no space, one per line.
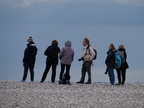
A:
68,44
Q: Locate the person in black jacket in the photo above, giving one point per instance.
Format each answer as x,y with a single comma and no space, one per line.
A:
52,60
110,62
121,72
29,59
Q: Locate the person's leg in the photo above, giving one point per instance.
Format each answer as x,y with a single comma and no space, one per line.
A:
62,71
83,73
48,65
123,75
119,76
25,73
32,74
111,75
68,72
53,72
88,69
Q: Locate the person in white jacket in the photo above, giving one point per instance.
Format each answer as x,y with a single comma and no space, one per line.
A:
88,55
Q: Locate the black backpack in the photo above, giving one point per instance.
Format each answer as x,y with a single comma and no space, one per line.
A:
64,79
94,51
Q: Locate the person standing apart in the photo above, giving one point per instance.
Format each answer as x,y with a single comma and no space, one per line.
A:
29,59
121,72
88,55
110,62
52,60
66,56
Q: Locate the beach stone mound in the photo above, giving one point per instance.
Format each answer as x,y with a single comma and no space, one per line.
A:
15,94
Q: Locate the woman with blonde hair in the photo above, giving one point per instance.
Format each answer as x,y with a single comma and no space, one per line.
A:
121,72
110,62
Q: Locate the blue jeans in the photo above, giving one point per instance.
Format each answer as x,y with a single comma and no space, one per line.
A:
111,75
26,72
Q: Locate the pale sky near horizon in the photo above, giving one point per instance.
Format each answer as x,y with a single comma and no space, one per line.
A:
102,21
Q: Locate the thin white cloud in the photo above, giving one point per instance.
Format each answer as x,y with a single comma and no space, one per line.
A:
27,3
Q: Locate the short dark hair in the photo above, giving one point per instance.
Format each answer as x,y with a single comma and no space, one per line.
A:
54,42
87,40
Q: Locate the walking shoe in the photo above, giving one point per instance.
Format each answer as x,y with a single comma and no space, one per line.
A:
88,83
118,84
22,81
80,82
122,83
68,82
60,82
41,81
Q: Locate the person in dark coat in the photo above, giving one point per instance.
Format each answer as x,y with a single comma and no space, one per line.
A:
29,59
121,72
110,62
52,60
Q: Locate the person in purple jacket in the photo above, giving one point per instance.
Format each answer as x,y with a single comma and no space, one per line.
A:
66,56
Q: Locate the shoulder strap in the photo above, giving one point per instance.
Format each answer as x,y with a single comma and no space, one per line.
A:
87,49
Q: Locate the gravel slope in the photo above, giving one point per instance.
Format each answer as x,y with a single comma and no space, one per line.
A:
47,95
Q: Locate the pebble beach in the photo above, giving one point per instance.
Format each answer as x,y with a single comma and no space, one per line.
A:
14,94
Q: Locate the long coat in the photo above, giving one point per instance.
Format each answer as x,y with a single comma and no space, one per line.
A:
30,55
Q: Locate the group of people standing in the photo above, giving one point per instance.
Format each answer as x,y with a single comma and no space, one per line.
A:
66,57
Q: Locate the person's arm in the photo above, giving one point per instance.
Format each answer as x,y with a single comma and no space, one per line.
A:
47,51
109,57
61,53
73,56
125,55
26,55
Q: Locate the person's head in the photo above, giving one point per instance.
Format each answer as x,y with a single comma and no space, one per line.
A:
86,42
68,43
54,42
121,47
111,47
30,39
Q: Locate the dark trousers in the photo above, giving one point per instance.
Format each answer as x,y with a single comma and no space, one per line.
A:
26,72
67,71
121,74
48,66
86,67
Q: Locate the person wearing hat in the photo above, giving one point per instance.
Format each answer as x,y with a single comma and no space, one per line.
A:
121,72
29,59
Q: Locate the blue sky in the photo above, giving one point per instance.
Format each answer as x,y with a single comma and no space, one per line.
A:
102,21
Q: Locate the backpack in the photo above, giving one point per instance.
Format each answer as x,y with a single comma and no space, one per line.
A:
64,78
121,53
94,51
118,61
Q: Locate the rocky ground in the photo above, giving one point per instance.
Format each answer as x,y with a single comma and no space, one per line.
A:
15,94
